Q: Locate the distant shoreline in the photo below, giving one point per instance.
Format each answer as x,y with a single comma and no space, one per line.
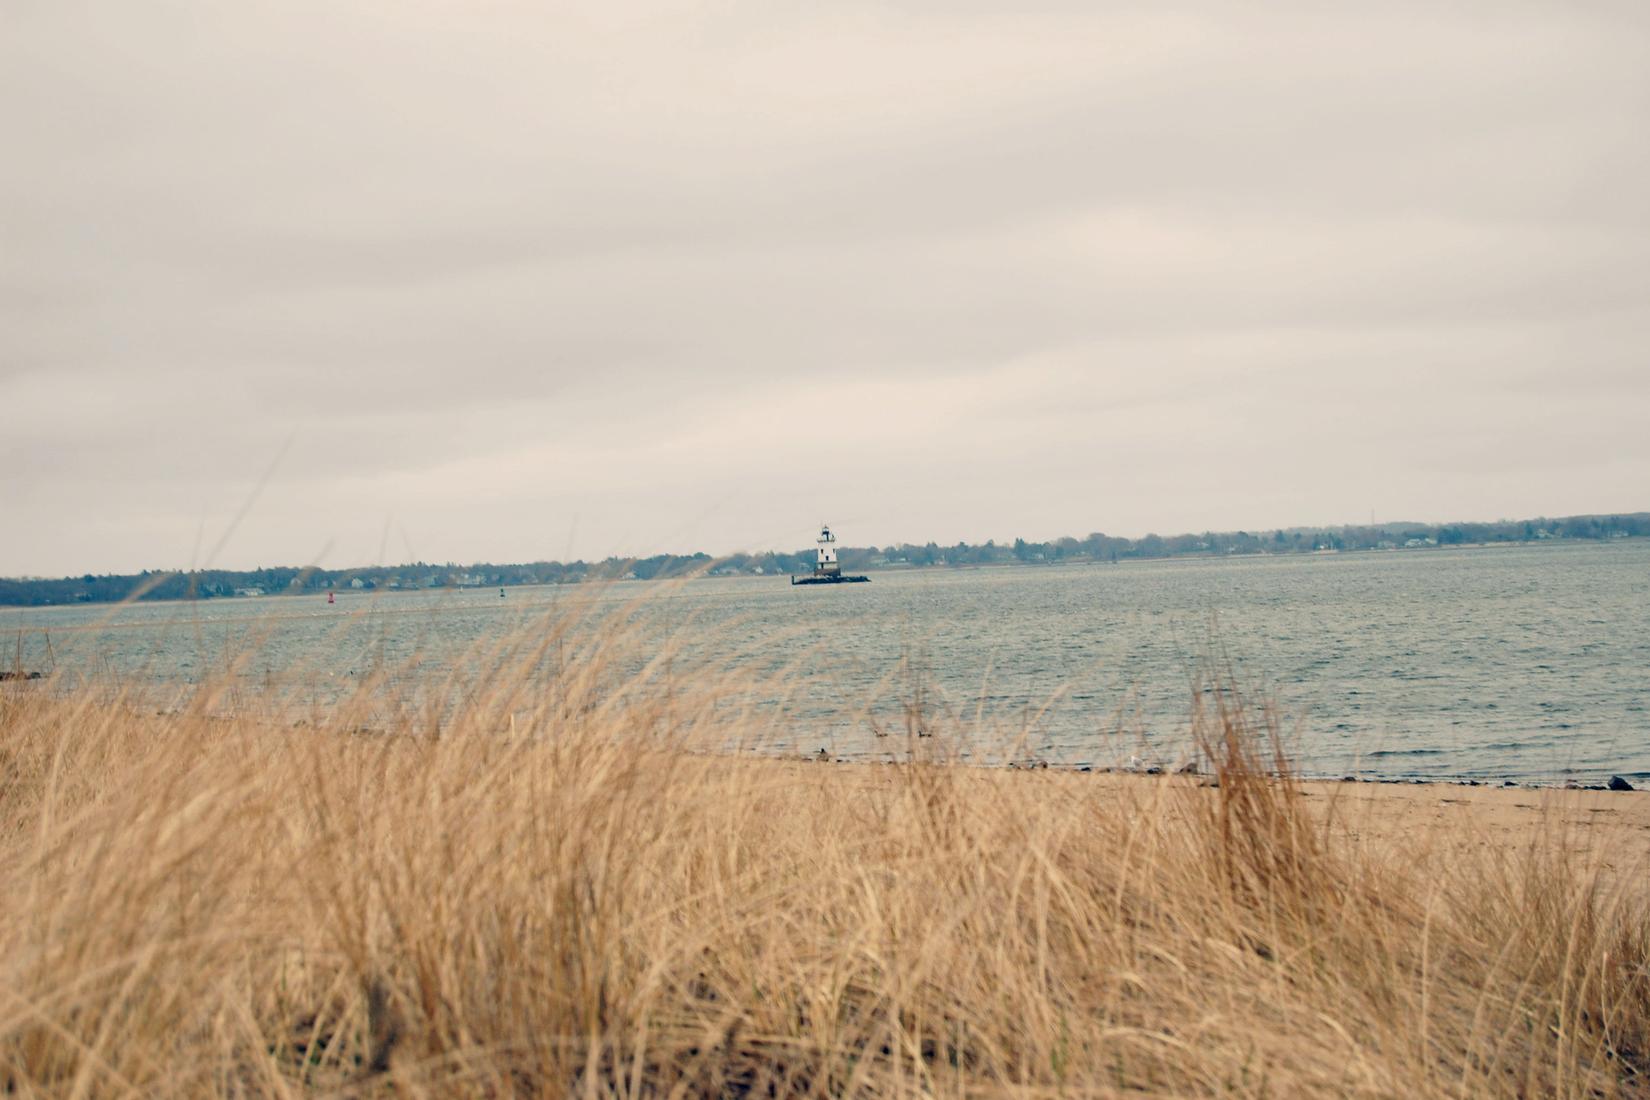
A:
16,593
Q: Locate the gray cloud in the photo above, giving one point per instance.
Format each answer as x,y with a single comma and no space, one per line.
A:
523,280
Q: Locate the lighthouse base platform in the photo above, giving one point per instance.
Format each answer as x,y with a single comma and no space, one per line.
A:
830,578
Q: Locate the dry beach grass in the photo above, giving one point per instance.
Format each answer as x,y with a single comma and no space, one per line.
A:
535,885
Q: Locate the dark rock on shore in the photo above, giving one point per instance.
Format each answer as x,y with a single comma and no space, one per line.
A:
1617,783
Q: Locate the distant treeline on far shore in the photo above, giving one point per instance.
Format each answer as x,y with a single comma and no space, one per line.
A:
287,580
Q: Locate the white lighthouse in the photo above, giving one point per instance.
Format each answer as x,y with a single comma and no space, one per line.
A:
826,565
827,570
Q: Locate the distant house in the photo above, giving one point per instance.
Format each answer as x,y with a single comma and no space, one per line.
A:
249,590
357,582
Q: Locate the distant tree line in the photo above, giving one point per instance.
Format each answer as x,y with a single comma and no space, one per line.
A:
288,580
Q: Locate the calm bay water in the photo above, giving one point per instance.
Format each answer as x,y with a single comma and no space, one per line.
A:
1528,663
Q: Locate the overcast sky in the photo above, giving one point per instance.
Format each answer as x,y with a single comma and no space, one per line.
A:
494,280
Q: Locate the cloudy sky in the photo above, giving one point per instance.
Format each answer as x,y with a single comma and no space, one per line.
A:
352,281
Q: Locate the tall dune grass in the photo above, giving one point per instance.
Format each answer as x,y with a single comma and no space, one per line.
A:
538,882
